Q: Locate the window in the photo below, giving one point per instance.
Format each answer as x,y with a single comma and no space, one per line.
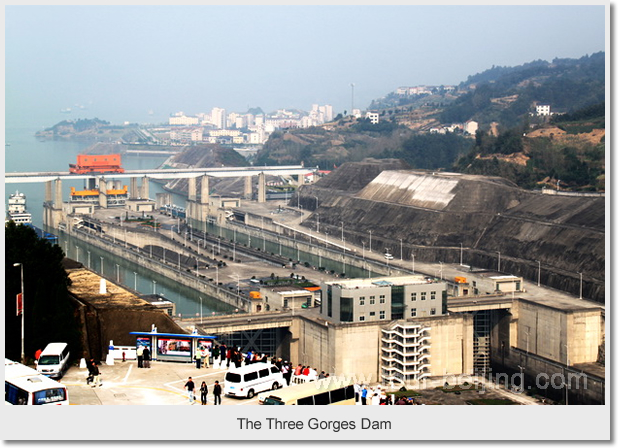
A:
423,296
263,373
413,312
372,313
322,399
361,318
382,314
285,303
372,300
433,312
274,369
251,376
433,295
414,297
382,299
361,300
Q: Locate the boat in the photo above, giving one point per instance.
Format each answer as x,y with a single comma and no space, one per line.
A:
17,209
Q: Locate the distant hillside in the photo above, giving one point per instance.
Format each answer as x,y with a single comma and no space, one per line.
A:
566,152
83,128
206,156
351,140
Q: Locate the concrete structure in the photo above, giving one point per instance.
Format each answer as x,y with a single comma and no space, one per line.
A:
416,349
543,109
286,298
383,299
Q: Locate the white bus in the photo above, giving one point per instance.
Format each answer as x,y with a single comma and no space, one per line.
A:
327,391
26,386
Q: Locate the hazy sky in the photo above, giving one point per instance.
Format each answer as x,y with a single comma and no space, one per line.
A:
119,62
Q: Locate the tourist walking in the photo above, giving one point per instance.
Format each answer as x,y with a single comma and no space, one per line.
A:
364,393
216,391
190,387
204,393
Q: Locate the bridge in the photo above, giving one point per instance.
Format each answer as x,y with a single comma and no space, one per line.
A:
171,173
479,303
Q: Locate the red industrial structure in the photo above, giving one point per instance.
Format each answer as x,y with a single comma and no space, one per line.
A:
87,164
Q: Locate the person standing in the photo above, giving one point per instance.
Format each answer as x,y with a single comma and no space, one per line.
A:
94,373
204,393
215,354
206,354
228,357
217,392
223,353
189,387
198,358
146,355
364,393
140,356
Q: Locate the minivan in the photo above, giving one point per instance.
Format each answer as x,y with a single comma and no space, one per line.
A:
250,379
54,360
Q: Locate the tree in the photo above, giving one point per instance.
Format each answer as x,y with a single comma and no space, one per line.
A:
49,315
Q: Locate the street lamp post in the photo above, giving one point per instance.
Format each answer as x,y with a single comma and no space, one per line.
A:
370,232
318,225
498,261
440,269
117,273
135,281
88,259
460,254
77,247
581,286
23,307
316,202
201,311
413,263
401,249
363,249
538,283
342,231
102,267
154,286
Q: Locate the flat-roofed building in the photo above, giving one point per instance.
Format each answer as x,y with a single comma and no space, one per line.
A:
383,298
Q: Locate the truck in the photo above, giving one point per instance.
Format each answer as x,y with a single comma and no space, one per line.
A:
96,164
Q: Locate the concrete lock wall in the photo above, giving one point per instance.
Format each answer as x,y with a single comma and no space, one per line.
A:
187,279
451,344
571,336
347,349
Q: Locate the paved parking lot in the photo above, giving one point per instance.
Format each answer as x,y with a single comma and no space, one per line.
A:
163,383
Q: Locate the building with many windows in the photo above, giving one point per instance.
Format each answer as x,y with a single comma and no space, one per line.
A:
383,298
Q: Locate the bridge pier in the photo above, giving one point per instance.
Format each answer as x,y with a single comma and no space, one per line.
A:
261,188
248,187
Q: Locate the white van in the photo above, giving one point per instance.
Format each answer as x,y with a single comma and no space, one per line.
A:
250,379
54,360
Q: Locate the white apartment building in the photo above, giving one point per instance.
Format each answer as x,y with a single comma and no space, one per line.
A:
543,109
374,117
183,120
218,117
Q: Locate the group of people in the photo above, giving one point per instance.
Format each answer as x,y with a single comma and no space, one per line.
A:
202,353
216,391
143,357
366,395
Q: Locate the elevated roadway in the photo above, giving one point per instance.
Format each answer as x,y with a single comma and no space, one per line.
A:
171,173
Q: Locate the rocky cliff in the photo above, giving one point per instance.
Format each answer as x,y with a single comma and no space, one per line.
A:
434,213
